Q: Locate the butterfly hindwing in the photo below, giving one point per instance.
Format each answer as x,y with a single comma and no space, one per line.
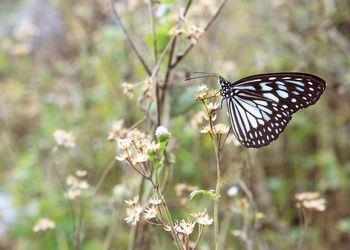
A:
256,122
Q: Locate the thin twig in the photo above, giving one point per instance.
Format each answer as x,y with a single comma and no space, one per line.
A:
191,45
131,43
169,68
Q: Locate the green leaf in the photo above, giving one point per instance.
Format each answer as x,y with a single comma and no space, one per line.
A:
205,192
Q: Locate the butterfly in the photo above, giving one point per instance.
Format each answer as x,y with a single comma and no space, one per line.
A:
260,106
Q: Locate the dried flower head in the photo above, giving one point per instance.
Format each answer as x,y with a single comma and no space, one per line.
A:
155,201
310,201
307,196
185,227
213,106
124,143
214,93
150,212
72,194
140,158
133,214
206,129
198,119
221,128
128,89
44,224
194,33
204,220
81,173
64,138
123,157
202,92
132,202
199,213
174,31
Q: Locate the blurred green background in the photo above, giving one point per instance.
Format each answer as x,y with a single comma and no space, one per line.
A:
62,63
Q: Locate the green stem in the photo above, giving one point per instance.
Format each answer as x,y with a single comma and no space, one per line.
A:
167,213
216,145
160,195
216,200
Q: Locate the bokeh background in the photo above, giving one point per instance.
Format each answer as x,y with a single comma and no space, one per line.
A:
62,63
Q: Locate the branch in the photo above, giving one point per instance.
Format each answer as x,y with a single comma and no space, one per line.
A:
168,70
191,45
131,43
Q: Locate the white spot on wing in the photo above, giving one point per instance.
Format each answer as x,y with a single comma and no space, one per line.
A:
282,94
271,96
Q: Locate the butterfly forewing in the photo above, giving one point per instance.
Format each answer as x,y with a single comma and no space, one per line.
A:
262,105
295,90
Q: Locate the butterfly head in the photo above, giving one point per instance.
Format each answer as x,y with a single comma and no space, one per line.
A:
225,86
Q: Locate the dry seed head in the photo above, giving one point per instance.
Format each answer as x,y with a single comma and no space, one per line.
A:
64,138
81,173
155,201
44,224
132,202
150,212
128,89
198,119
221,128
204,220
206,129
199,213
307,196
213,106
133,214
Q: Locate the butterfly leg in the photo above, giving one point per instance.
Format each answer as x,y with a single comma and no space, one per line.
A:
214,110
212,95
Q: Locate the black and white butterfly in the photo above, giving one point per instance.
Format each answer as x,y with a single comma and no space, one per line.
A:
260,106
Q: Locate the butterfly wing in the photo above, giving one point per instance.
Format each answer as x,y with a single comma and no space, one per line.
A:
262,105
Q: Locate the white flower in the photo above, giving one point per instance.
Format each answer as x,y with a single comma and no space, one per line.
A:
155,201
72,194
81,173
150,212
64,138
204,220
185,227
133,214
232,191
83,185
44,224
202,88
132,202
161,130
140,158
124,143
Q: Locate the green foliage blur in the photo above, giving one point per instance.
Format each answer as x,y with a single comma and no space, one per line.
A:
66,73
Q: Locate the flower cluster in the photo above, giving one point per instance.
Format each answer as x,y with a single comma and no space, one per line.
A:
44,224
194,33
135,211
310,201
128,89
76,185
64,138
202,92
202,218
218,129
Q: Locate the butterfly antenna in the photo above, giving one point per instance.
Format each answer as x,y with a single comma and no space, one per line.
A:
196,77
208,73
